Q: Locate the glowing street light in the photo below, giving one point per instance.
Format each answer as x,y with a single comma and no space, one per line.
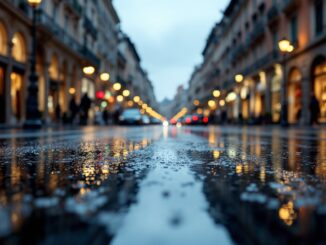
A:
117,86
126,93
212,104
239,78
196,102
34,3
120,98
88,70
285,47
136,99
216,93
105,77
72,91
222,103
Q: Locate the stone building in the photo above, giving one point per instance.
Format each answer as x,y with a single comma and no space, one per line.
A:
71,35
131,74
244,46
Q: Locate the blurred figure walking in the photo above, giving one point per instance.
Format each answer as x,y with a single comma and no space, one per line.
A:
314,110
73,110
85,106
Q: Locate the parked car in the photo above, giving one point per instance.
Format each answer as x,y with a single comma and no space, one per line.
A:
146,120
131,117
156,121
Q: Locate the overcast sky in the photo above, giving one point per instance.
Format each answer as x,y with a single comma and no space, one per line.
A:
169,36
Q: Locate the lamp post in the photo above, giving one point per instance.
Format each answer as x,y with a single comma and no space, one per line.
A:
33,119
285,47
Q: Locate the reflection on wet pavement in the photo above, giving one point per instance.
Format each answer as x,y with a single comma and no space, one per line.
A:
270,183
156,185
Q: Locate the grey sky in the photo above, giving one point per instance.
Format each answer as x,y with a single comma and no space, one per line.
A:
170,36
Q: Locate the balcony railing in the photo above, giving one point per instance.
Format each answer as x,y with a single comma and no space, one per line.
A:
90,28
258,31
49,24
75,7
260,63
90,56
272,14
289,5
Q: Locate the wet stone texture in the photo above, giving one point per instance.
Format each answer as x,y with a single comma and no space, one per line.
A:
155,185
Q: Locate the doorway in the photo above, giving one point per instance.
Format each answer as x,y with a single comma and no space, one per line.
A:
2,96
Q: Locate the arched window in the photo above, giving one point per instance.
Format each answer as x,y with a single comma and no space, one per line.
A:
19,52
54,68
294,91
3,40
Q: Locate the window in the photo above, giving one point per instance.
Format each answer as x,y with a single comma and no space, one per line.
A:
3,40
275,40
19,52
294,29
319,16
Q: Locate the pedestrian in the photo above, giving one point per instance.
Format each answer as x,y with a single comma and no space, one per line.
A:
116,116
85,106
58,113
105,116
314,110
73,109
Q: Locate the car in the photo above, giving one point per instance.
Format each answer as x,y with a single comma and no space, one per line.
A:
146,120
155,121
131,117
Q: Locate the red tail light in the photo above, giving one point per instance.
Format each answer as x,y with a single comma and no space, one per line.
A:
188,120
195,118
205,119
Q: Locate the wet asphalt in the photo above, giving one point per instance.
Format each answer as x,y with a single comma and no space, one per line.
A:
159,185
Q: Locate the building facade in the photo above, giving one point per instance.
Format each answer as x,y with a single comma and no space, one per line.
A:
131,74
71,35
244,46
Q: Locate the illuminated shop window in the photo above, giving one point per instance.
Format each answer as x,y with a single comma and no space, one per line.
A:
3,40
320,89
16,94
19,48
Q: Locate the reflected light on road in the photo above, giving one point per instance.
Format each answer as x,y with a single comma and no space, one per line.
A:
165,124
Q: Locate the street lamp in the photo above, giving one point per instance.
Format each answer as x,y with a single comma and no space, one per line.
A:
89,70
117,86
33,119
285,47
105,77
216,93
126,93
238,78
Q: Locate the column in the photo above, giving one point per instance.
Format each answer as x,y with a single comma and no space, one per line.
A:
268,95
306,91
46,65
9,117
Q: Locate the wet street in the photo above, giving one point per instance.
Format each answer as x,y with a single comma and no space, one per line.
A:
159,185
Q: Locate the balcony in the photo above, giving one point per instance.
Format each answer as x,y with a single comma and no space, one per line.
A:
258,32
90,28
89,56
290,5
74,7
48,24
261,63
272,15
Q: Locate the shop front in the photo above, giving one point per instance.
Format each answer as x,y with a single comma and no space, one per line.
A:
56,99
294,91
2,95
276,97
16,94
319,84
